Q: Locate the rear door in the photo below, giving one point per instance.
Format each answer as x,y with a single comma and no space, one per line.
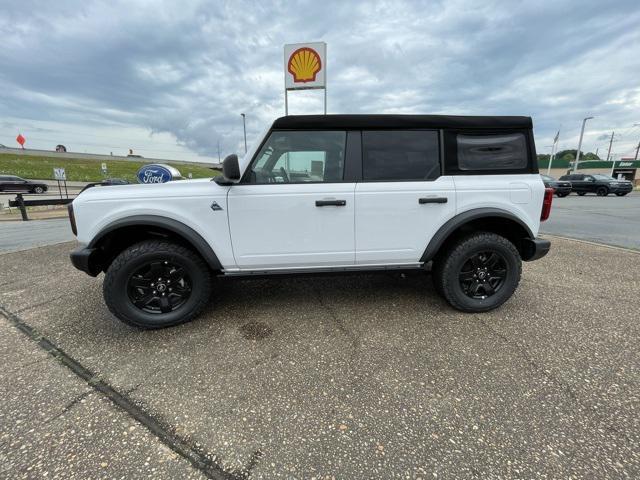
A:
293,208
403,198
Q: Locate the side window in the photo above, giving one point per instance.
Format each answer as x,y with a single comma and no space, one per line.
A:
300,157
391,155
492,152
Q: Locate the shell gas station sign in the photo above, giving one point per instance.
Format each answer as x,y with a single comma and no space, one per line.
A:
305,66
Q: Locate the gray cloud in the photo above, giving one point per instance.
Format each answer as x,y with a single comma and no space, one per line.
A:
190,68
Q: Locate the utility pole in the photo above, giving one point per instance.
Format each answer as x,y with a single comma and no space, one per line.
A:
244,127
637,148
610,142
575,165
218,151
613,162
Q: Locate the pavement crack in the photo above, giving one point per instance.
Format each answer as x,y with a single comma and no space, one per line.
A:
203,461
253,462
342,327
70,405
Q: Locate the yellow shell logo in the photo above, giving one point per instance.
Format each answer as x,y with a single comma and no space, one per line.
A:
304,64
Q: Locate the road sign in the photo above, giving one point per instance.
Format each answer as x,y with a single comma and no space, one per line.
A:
305,65
20,139
59,174
104,168
305,68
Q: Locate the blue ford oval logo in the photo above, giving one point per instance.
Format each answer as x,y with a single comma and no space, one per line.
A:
156,173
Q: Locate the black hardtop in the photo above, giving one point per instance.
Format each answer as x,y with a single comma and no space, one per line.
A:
324,122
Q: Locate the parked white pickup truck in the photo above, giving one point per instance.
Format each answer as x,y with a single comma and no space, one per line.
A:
329,193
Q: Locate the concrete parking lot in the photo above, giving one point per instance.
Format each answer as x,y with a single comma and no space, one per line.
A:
365,376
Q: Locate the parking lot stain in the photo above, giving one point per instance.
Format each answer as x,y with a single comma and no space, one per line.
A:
256,331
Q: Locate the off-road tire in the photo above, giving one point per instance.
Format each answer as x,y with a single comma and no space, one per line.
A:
136,256
447,270
602,191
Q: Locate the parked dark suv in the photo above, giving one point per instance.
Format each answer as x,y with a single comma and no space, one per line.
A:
11,183
601,185
560,188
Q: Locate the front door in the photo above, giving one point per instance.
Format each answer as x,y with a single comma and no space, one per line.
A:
292,208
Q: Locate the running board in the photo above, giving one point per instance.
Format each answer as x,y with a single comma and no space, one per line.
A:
324,270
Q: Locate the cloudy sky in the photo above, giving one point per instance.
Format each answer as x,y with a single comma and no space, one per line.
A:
170,79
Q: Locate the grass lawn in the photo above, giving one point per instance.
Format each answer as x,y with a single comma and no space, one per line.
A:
82,170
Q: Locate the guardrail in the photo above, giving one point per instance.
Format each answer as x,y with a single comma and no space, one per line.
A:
22,204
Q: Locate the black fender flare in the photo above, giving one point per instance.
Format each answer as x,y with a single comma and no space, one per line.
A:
174,226
465,217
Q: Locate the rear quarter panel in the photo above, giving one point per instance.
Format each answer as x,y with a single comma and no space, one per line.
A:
521,195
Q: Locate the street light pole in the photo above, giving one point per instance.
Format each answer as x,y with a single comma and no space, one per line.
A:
575,165
244,127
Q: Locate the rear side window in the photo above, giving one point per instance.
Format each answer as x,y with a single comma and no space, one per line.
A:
393,155
492,152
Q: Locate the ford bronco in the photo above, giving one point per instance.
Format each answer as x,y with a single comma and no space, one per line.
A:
326,193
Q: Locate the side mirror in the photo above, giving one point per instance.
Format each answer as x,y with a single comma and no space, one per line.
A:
231,168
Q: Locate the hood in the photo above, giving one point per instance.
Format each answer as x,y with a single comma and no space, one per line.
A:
177,188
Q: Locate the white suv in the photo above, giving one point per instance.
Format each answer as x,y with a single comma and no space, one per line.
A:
327,193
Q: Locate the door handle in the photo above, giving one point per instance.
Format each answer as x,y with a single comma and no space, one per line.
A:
424,200
327,203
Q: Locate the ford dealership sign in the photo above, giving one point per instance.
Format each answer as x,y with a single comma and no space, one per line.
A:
157,173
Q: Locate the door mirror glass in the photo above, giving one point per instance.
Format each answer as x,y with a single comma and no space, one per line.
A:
231,168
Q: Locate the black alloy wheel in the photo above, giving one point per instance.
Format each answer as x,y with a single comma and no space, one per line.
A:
483,274
159,287
157,284
602,191
478,272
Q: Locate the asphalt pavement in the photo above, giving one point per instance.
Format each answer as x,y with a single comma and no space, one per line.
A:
362,376
21,235
611,220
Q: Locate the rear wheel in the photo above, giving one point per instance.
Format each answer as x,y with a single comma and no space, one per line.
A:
479,273
602,191
38,190
621,194
156,283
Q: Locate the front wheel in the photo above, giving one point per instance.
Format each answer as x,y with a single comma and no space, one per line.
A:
38,190
479,273
156,283
581,193
561,195
621,194
602,191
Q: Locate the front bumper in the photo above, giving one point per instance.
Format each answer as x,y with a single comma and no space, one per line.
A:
84,259
534,249
624,188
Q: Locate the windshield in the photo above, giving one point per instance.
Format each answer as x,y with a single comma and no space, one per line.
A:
599,176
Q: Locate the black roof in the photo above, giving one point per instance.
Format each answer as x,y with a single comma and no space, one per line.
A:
399,121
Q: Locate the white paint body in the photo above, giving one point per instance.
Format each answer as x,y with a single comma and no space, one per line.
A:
279,227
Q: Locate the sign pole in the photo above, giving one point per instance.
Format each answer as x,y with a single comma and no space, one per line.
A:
286,102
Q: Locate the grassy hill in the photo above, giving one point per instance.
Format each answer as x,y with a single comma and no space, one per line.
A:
85,170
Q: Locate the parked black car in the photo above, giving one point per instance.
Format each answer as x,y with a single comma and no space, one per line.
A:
601,185
560,188
11,183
